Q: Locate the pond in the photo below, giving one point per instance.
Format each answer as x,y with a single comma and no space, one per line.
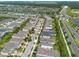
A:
3,29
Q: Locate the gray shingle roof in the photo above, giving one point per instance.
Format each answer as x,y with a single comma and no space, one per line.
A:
9,47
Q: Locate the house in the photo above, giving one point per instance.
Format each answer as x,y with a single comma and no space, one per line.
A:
21,34
8,48
13,25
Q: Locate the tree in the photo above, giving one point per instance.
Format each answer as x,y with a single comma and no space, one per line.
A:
73,55
16,29
22,44
32,30
64,32
26,39
29,39
66,37
69,42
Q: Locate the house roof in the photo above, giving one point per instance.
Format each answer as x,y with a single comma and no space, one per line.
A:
9,47
21,34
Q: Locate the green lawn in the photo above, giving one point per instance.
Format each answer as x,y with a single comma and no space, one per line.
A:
73,12
75,27
3,18
76,42
6,38
60,45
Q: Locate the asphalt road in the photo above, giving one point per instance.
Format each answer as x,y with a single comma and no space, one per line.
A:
29,47
74,48
74,32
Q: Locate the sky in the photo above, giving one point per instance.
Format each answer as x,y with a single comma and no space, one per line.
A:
39,0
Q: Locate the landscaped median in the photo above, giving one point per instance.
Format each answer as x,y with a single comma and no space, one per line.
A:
61,43
75,27
33,52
